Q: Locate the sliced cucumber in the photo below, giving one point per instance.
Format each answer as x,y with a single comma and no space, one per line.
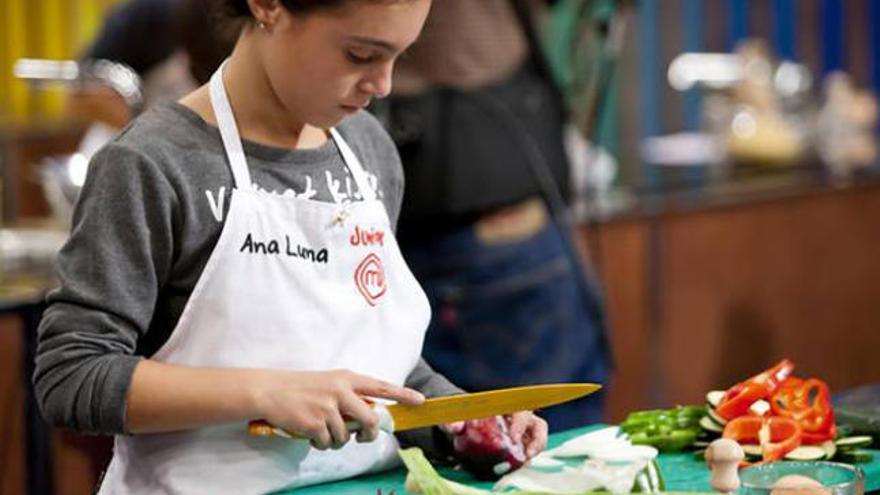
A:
715,397
854,456
715,417
830,449
709,425
806,453
752,450
854,442
845,430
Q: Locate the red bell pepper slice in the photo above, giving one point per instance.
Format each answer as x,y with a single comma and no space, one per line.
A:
741,396
791,382
809,403
777,436
808,438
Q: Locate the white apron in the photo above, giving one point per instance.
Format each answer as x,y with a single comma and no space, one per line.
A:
292,284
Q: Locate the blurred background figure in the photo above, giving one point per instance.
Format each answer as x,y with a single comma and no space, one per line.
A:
480,123
172,45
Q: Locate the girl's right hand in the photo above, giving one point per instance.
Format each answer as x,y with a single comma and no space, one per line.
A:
317,404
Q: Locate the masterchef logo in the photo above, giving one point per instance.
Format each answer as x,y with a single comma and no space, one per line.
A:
370,279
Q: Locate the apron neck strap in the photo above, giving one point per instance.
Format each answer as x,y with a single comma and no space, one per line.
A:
229,131
235,153
354,165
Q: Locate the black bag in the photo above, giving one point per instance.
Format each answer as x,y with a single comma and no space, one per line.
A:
465,152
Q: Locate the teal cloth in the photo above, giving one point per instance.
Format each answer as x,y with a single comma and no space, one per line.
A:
681,472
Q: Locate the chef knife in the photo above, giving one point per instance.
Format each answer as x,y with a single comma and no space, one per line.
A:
449,409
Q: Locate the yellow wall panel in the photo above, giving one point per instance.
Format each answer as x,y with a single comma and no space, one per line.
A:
15,29
55,29
4,62
89,15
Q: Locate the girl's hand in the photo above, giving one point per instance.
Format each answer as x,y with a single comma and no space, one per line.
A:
317,404
530,429
524,427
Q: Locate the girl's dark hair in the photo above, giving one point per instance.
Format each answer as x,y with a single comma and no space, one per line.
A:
239,8
206,39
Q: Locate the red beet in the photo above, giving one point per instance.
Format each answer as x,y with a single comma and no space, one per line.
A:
486,449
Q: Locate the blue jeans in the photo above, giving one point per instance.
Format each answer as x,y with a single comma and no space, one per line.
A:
512,314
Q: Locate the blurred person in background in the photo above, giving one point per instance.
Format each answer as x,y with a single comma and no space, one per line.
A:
479,125
172,45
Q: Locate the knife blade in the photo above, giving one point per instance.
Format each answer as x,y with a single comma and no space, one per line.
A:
449,409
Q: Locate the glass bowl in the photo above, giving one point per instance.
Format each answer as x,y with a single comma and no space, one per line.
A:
836,478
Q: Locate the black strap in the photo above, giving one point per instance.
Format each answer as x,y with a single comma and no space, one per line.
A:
536,49
553,195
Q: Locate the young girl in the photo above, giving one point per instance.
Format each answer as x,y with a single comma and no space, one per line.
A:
233,258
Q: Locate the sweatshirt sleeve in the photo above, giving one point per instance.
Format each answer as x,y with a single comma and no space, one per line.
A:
118,255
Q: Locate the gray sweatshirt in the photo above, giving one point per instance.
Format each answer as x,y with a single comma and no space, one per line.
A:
148,218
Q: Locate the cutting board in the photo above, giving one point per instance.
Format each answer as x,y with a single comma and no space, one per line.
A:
681,472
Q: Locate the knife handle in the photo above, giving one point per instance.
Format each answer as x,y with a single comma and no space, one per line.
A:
262,428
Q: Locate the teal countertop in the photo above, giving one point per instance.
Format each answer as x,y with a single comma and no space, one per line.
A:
681,472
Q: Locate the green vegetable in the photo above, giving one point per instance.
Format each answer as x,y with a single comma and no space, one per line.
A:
858,421
806,453
422,474
649,480
424,479
669,430
715,397
753,451
830,449
711,426
853,456
854,442
673,441
716,418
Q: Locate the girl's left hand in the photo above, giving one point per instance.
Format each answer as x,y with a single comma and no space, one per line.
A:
530,429
524,427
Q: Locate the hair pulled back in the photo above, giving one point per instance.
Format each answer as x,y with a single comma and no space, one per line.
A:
239,8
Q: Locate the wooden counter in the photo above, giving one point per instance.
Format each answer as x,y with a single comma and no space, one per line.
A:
700,297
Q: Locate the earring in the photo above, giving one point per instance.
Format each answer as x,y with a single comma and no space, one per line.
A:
262,25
